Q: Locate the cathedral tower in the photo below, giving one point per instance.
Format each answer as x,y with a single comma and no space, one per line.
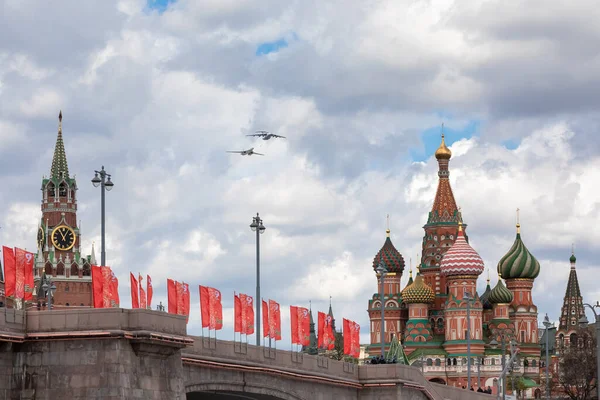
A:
441,231
59,237
572,309
461,266
519,268
394,263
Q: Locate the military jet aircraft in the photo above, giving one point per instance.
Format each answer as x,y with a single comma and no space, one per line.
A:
266,135
248,152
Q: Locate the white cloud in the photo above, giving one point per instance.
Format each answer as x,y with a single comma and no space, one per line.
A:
158,99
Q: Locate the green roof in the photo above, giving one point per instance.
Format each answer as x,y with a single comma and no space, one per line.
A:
528,383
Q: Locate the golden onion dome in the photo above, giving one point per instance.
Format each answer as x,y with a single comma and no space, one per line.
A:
418,292
443,152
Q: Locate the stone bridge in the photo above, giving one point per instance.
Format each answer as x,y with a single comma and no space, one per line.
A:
144,354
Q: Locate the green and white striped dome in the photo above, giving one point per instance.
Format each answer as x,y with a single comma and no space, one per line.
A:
518,262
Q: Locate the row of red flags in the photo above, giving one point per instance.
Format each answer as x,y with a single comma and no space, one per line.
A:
18,273
18,269
141,298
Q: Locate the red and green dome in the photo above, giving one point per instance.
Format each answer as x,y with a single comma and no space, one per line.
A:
391,258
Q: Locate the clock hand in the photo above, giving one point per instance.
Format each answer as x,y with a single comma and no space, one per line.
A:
63,235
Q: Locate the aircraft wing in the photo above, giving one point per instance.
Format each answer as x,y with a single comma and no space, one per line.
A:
278,136
258,154
234,151
257,134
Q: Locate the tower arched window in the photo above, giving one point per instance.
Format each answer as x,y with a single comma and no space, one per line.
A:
62,189
51,191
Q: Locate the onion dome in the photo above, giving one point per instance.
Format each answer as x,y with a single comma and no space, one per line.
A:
443,152
391,258
485,297
573,259
418,292
500,294
461,259
518,262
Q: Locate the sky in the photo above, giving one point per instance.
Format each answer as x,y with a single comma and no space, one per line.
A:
157,92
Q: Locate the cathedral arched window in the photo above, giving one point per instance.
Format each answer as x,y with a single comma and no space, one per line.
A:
429,362
438,362
573,339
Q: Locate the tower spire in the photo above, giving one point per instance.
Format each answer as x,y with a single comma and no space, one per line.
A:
59,167
518,223
387,231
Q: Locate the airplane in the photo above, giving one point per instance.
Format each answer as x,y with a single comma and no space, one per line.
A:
248,152
266,135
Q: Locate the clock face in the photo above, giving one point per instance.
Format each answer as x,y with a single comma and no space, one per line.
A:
63,237
41,237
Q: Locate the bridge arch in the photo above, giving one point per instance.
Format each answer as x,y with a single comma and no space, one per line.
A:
218,390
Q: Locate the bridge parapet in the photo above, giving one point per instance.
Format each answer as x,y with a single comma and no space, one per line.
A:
293,362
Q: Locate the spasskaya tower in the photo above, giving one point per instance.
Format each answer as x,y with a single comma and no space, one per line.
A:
59,252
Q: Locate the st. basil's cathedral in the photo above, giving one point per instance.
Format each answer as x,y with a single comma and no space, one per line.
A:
429,315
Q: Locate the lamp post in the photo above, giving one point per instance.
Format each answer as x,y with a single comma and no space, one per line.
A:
467,296
160,307
102,179
382,272
503,333
258,227
547,325
585,321
49,287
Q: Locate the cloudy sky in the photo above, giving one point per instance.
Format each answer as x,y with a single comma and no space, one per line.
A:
158,91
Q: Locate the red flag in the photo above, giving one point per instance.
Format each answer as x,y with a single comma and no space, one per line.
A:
303,326
186,301
97,285
274,320
179,292
356,341
329,339
142,293
265,319
114,290
295,326
237,314
20,273
24,260
348,337
320,329
149,290
205,306
135,302
247,303
172,296
10,271
326,338
216,309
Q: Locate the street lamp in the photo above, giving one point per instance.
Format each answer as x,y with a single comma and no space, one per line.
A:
584,320
547,325
49,287
503,333
467,296
160,307
105,183
258,227
381,273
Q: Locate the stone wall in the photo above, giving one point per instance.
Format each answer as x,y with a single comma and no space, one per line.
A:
91,354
